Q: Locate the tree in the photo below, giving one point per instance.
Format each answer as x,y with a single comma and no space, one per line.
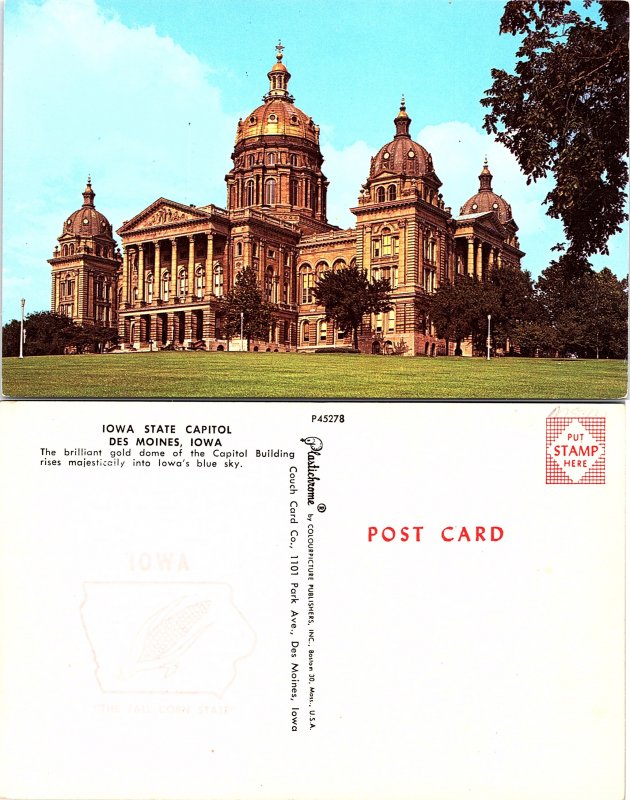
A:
245,298
347,295
451,309
564,111
11,339
48,333
510,298
92,337
588,312
460,309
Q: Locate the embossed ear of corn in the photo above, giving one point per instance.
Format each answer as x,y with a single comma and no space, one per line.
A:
168,633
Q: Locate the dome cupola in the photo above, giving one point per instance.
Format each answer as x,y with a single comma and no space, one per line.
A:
87,222
402,156
486,200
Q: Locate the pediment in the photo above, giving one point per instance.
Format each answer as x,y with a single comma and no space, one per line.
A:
162,213
484,220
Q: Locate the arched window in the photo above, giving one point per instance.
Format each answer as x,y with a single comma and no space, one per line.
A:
218,280
321,268
65,250
306,271
391,192
270,192
249,193
166,280
239,248
200,281
339,264
250,161
306,331
271,159
380,194
293,160
182,283
323,330
391,324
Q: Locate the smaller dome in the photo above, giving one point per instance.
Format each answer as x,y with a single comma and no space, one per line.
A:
87,221
402,156
486,200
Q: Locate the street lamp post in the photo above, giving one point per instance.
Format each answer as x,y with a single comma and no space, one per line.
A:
488,342
22,302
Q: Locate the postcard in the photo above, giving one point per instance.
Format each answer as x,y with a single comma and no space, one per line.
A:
275,587
312,601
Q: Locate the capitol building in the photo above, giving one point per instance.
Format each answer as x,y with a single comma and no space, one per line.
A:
163,287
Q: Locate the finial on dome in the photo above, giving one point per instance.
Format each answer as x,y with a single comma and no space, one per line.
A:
402,121
485,178
279,77
88,193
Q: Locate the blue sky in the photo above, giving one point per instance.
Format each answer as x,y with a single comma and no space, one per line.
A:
145,95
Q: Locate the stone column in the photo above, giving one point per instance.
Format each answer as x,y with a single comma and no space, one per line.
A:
75,302
479,261
191,267
140,273
188,327
125,276
209,266
470,267
154,330
173,289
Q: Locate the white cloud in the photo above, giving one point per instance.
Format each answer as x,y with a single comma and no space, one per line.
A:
347,170
86,94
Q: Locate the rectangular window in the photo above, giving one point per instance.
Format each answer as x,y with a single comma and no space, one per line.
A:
376,248
391,323
387,244
395,243
323,331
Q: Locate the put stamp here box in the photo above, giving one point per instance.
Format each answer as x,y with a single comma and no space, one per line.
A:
575,450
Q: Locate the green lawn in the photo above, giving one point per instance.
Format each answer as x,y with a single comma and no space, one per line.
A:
289,375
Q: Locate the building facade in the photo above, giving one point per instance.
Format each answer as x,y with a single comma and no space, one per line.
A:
178,261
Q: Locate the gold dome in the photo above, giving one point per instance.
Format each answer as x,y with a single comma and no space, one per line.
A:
277,117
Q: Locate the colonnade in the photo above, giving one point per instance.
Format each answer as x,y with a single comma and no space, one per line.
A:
182,280
481,257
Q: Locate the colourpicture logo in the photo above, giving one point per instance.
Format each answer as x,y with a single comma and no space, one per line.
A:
576,450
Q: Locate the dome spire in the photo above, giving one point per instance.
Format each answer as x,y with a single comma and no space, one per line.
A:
279,77
402,121
485,177
88,194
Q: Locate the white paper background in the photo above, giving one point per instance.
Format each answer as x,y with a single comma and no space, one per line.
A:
444,670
